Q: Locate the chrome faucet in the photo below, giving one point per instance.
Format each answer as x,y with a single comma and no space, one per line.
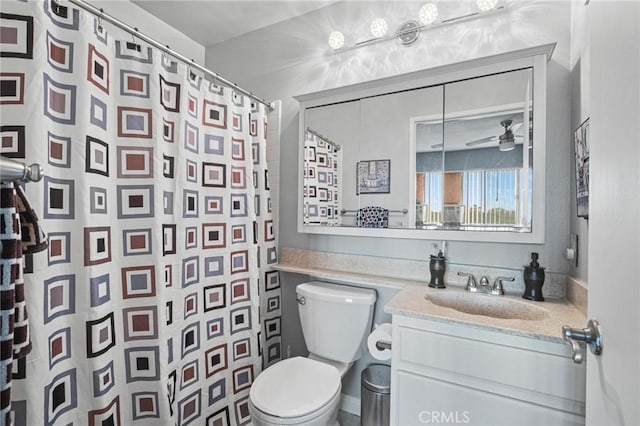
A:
498,289
472,285
484,281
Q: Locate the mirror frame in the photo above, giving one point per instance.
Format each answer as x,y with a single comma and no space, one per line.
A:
534,57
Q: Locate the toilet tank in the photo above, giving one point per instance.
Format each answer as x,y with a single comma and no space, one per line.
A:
335,319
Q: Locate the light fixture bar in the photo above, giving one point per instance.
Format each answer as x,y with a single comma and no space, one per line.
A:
440,24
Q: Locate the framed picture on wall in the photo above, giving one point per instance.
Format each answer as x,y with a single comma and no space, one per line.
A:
373,177
581,147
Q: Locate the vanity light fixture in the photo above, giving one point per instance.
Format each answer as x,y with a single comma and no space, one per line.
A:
486,5
336,40
428,13
408,32
379,27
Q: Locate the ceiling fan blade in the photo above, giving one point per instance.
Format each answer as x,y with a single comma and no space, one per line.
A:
481,141
516,127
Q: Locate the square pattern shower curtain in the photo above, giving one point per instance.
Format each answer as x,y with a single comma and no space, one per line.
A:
155,303
322,180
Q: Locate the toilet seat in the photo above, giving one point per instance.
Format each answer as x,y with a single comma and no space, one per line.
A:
295,387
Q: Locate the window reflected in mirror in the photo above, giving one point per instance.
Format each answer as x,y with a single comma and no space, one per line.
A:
474,166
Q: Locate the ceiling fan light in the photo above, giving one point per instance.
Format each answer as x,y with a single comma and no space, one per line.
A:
507,145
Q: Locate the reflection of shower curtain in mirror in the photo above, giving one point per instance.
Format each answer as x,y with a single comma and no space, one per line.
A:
322,165
156,303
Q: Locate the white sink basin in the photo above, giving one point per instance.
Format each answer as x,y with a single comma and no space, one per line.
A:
487,305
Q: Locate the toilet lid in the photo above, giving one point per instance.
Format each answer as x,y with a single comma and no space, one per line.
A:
295,387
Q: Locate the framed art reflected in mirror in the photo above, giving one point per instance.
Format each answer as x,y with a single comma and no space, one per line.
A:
373,177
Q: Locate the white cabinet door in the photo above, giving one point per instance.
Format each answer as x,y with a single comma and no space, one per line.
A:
447,373
422,400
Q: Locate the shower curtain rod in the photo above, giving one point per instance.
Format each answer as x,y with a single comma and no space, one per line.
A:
166,49
13,170
324,138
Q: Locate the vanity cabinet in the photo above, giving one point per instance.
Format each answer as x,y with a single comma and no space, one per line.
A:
448,373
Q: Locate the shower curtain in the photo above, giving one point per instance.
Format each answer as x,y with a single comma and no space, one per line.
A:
322,180
156,302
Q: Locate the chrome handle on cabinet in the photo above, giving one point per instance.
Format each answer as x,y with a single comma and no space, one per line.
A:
590,335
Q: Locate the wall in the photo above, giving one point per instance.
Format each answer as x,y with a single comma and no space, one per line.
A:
292,58
471,159
580,111
148,24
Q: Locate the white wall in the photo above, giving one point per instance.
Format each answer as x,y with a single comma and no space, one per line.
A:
148,24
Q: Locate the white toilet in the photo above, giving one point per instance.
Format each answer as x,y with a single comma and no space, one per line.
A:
336,320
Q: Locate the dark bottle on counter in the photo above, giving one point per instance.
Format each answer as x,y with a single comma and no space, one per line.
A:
533,279
437,267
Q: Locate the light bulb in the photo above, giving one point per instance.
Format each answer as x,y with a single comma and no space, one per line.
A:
378,27
428,13
507,146
336,40
486,5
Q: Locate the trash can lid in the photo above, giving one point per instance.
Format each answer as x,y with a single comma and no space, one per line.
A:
377,378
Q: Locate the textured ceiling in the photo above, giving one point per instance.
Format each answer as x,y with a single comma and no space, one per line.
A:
212,21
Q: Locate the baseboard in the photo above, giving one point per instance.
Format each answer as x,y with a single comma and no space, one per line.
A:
350,404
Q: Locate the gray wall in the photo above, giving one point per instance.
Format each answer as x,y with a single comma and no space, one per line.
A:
292,57
470,159
580,111
148,24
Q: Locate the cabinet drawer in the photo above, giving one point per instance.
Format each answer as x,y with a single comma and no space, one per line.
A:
494,364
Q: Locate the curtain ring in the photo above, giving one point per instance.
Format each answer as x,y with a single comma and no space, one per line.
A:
192,75
100,29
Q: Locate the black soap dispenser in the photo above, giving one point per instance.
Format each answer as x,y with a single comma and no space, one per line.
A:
437,267
533,279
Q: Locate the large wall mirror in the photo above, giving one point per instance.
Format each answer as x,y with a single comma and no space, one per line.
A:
454,153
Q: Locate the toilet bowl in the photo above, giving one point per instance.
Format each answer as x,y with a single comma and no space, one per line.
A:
335,320
296,391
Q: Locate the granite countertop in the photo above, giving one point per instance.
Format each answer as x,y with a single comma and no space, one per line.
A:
349,277
411,302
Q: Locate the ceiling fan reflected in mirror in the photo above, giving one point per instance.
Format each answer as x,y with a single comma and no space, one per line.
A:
506,141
